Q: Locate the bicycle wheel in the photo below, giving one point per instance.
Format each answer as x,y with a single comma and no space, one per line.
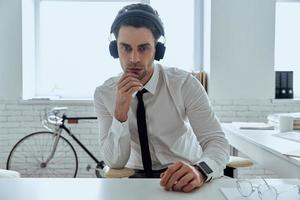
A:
28,156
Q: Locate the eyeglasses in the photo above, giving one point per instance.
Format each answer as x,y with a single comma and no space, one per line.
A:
265,191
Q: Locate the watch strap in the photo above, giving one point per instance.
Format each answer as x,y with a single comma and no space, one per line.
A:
205,170
201,172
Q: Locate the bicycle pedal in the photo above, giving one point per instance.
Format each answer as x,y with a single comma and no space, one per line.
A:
88,167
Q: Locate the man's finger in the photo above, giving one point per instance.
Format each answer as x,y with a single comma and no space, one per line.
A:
192,185
176,176
167,174
125,81
128,74
128,88
134,89
183,182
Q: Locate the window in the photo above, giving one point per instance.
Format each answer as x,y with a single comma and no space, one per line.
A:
179,30
65,44
287,40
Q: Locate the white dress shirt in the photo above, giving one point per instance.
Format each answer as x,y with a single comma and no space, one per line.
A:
180,122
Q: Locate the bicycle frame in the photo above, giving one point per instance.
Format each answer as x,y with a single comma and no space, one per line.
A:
58,132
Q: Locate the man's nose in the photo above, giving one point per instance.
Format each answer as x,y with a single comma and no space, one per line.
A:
134,56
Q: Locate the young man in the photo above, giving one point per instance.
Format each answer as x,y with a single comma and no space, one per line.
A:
156,120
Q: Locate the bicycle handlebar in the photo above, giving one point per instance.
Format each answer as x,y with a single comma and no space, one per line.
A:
58,109
53,117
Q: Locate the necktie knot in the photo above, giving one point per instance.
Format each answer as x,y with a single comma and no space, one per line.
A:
139,94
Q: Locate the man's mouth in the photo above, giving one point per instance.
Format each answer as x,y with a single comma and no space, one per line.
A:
134,70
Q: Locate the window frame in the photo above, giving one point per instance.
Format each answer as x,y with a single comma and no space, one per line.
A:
31,43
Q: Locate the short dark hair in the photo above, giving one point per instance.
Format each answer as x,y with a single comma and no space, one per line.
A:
138,22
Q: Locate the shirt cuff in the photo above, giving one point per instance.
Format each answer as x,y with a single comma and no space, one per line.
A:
214,167
119,128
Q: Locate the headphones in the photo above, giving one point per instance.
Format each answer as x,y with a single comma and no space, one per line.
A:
159,47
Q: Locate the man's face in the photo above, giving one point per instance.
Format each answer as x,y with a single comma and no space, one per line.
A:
136,47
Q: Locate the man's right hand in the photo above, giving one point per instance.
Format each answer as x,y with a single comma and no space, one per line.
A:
127,85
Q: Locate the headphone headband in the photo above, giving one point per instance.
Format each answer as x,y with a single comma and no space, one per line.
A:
141,14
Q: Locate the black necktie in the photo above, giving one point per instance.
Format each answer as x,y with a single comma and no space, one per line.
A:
143,135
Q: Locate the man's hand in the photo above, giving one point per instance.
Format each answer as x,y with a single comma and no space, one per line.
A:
181,176
127,85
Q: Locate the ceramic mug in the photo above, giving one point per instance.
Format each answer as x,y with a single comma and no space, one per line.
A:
286,123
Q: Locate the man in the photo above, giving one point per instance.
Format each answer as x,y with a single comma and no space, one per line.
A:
156,120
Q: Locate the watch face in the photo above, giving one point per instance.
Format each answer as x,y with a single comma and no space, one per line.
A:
205,167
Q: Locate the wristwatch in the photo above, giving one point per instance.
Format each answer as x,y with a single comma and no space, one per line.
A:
205,170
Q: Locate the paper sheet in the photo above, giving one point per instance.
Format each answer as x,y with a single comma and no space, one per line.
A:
253,125
292,135
295,153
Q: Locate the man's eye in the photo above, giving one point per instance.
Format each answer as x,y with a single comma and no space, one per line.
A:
126,48
142,49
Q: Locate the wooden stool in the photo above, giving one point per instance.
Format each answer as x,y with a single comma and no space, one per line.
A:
234,163
117,173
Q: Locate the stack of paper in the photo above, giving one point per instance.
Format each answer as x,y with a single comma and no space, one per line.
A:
274,119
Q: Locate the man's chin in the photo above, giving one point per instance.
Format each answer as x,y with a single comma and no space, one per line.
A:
143,75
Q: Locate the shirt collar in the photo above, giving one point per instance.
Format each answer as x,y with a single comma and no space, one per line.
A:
152,83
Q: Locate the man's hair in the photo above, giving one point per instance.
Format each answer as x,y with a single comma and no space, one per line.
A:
138,22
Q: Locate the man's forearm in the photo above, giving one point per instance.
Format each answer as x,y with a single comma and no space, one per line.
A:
115,146
216,155
114,142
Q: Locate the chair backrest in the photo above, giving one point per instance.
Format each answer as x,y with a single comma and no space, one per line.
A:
202,77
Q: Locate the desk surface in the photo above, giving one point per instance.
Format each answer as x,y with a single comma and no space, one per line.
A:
266,149
108,189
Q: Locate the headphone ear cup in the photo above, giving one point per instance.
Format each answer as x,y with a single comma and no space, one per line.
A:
113,49
160,49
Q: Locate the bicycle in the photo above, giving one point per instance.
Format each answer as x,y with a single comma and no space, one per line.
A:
48,153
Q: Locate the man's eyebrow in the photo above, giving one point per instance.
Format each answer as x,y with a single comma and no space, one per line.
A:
140,45
144,45
124,44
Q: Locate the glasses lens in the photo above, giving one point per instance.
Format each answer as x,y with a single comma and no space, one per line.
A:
267,192
244,187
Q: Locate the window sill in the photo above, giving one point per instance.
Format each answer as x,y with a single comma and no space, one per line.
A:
54,102
294,100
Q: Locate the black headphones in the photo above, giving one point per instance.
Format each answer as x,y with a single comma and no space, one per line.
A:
159,47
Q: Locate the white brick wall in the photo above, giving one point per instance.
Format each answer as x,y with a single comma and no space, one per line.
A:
18,119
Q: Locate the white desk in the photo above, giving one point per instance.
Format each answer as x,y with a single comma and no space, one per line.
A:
99,189
108,189
265,149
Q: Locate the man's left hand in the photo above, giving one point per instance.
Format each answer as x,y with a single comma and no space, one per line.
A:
181,176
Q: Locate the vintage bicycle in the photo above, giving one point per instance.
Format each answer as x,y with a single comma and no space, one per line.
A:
49,153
